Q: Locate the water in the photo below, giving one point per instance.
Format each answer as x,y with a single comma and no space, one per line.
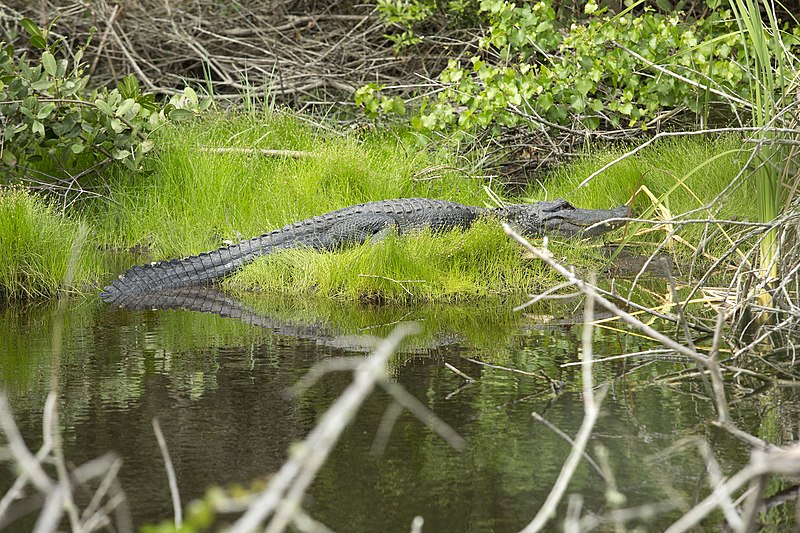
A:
218,387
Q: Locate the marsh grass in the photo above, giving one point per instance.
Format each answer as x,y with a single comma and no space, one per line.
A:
772,70
195,199
684,175
35,245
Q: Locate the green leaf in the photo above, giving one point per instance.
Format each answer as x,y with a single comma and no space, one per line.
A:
49,63
37,127
39,42
146,146
31,27
117,125
596,105
77,147
103,106
129,86
42,85
583,86
120,154
9,158
125,106
180,114
46,110
592,122
399,106
191,95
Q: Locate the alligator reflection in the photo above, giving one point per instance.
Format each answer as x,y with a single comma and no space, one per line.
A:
319,323
213,301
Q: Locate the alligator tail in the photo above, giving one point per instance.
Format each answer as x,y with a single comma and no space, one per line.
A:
194,270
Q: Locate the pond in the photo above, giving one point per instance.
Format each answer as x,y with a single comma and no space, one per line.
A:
218,385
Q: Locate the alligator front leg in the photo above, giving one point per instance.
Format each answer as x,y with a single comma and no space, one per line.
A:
356,232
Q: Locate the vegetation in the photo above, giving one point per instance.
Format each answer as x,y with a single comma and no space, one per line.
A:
772,73
599,71
210,198
50,111
636,97
37,243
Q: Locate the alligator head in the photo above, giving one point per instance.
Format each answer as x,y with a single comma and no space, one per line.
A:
561,217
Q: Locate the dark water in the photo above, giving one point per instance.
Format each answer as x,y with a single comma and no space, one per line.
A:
218,385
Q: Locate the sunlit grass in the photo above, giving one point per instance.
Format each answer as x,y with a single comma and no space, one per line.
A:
35,246
684,175
456,266
195,199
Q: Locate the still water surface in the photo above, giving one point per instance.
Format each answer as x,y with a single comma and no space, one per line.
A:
218,387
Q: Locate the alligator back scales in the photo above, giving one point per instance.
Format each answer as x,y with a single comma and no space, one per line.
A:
344,227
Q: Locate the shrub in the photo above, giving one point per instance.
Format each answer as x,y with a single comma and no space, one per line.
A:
48,110
597,72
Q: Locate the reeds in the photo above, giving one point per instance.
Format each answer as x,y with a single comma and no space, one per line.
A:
769,64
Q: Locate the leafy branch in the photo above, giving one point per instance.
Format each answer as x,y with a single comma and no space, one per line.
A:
48,111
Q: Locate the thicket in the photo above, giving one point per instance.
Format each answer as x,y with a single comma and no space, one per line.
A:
57,128
583,71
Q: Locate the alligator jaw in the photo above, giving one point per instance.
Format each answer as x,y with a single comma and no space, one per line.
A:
587,222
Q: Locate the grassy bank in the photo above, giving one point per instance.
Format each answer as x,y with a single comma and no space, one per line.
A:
195,197
42,250
203,197
208,198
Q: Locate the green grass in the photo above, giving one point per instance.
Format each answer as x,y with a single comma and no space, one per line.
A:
452,267
683,174
195,199
36,244
192,199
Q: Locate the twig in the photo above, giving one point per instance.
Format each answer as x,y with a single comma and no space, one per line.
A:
398,281
173,481
283,494
557,430
684,79
663,134
591,412
425,415
458,372
385,428
588,289
99,52
29,464
293,154
777,461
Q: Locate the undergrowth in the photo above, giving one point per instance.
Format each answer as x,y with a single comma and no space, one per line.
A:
36,246
669,178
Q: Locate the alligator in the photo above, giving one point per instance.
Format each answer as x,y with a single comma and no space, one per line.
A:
355,225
